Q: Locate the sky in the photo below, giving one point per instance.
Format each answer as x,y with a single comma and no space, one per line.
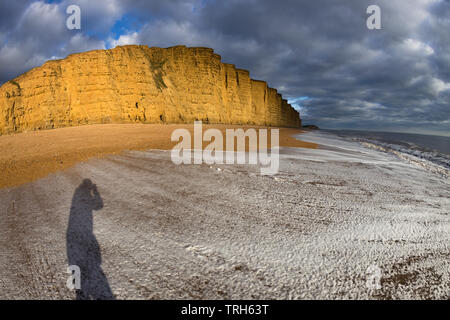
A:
319,54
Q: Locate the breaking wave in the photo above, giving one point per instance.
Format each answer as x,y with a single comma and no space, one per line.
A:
425,157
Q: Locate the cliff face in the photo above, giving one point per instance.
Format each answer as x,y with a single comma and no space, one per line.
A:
139,84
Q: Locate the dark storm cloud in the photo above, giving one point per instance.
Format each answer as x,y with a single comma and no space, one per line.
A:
396,78
393,77
10,12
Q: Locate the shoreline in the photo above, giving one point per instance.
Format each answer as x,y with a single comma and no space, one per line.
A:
29,156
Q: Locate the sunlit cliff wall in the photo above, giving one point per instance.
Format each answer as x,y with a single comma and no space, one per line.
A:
139,84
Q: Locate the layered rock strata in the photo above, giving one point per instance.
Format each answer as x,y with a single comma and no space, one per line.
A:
140,84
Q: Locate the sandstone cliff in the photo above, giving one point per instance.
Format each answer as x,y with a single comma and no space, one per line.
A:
139,84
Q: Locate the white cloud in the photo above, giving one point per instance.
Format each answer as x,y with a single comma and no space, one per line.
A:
125,39
418,47
41,22
438,85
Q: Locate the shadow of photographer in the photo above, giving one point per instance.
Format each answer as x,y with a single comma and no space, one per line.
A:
83,249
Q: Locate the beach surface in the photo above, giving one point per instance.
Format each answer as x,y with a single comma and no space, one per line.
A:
341,221
31,155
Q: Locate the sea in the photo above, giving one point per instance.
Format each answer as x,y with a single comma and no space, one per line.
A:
435,149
